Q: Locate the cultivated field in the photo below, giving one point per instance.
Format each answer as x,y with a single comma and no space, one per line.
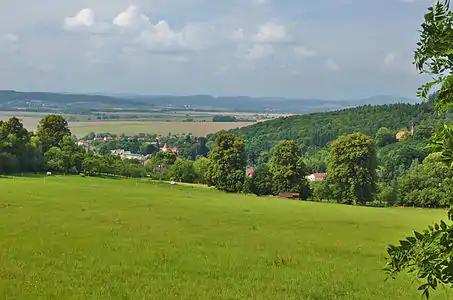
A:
134,127
86,238
163,127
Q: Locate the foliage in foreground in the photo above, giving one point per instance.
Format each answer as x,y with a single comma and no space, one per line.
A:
429,255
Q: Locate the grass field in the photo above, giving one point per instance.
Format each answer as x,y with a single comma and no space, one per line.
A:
86,238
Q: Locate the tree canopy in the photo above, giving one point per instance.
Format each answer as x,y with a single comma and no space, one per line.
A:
352,168
227,163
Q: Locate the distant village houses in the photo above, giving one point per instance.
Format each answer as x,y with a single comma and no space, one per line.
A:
166,148
127,154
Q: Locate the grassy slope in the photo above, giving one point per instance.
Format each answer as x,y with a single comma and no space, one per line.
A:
84,238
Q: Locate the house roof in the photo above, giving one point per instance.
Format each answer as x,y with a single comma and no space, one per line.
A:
319,175
400,135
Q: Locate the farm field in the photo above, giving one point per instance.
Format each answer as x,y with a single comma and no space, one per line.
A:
85,238
130,127
133,127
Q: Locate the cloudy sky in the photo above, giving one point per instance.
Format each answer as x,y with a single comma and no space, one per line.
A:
295,48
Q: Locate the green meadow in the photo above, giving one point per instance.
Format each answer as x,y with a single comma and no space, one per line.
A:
85,238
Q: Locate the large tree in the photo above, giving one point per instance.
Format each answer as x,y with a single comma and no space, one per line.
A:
352,168
261,182
51,131
227,163
288,170
183,170
429,255
429,184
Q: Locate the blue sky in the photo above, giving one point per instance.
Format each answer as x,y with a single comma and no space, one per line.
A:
332,49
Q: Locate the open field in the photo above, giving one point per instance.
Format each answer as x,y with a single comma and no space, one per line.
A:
86,238
134,127
82,128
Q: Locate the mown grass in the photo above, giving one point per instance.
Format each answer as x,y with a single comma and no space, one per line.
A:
87,238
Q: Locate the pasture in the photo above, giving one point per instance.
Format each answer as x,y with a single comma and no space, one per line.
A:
85,238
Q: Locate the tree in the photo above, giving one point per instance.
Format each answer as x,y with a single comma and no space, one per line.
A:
429,255
288,170
352,168
166,158
426,185
261,181
201,166
148,149
227,162
384,137
320,191
183,171
51,131
56,160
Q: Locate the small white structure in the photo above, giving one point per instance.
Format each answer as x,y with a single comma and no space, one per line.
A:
316,177
48,173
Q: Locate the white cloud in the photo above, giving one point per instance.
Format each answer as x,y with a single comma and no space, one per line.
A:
302,51
270,33
259,52
131,18
332,65
161,37
84,18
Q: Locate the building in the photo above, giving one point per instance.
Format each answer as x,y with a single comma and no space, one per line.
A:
82,143
250,172
402,135
127,154
316,177
166,148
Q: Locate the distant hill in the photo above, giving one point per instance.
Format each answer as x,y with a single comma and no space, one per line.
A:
81,103
319,129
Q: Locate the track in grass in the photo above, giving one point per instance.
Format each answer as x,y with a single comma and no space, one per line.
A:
86,238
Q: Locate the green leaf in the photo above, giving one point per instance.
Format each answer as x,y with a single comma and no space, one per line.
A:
419,236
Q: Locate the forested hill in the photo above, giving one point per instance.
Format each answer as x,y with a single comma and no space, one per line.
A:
318,129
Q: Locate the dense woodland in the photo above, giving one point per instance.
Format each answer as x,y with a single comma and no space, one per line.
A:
315,131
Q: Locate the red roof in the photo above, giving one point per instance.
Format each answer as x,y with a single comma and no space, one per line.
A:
166,146
319,175
400,135
174,150
250,172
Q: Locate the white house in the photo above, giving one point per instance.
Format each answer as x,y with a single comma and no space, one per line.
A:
316,177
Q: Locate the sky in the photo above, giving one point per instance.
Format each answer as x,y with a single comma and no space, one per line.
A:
330,49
